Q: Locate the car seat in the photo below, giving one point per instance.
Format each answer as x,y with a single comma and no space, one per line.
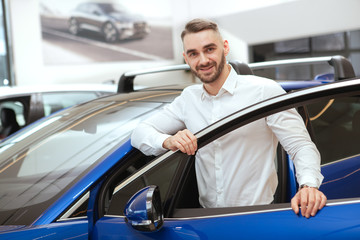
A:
8,122
241,68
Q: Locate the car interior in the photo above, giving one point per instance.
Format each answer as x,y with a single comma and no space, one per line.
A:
9,123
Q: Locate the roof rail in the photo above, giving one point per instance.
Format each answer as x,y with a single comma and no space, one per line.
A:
126,82
342,67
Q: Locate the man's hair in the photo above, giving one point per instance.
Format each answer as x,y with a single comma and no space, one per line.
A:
198,25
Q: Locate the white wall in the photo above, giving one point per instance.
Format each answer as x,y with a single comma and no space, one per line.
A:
26,41
293,19
242,22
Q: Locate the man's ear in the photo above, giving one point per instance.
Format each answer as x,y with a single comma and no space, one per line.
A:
185,58
226,47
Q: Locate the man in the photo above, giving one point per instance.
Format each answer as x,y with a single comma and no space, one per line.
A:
238,168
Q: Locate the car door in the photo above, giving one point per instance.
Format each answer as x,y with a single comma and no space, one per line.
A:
335,124
173,176
96,17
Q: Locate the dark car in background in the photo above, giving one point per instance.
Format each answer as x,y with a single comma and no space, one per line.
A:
112,21
20,106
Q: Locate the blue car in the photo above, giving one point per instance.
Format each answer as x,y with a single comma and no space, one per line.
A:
75,175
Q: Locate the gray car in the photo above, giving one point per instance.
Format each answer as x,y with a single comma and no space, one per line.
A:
20,106
112,21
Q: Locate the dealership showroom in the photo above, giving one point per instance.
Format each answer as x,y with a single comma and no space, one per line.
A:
179,119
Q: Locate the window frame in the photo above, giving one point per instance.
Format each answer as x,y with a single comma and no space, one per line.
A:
232,122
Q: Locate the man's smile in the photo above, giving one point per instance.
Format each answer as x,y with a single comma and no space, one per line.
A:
206,69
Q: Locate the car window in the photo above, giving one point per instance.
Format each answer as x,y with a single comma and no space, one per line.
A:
54,102
161,175
94,9
335,125
18,108
12,115
83,7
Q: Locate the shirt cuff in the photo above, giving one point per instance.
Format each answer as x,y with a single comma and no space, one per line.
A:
160,140
310,181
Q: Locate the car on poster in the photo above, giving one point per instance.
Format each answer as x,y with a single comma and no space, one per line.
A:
75,175
113,21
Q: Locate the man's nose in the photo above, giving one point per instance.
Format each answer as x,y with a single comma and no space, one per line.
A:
203,59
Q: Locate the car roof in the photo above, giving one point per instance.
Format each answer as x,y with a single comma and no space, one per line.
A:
24,90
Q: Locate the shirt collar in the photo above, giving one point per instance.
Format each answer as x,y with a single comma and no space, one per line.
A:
228,86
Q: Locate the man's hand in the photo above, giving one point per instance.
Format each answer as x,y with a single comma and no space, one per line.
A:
183,140
310,200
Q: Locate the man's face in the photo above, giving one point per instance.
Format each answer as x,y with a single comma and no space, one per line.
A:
205,53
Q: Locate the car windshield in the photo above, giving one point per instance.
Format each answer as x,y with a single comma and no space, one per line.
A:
41,162
110,8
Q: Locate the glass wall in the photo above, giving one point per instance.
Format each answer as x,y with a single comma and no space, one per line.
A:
346,44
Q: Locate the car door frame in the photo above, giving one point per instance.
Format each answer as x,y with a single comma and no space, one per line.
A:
233,122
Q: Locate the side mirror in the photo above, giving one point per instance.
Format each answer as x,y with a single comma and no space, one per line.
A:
143,211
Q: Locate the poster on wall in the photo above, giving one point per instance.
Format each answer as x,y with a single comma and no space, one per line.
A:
88,31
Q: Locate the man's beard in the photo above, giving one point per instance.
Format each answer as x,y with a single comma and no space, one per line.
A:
215,76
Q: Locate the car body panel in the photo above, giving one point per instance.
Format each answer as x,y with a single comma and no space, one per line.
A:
344,175
296,85
77,229
272,224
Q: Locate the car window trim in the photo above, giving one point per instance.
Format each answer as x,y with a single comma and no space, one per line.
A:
340,160
247,210
274,105
143,170
73,208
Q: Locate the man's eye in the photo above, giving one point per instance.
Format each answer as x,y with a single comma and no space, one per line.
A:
210,49
192,54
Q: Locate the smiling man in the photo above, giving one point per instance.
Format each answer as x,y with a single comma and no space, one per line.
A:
238,168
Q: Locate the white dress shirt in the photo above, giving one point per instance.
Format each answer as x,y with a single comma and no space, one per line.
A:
237,169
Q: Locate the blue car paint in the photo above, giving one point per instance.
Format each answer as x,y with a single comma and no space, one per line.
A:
83,185
8,228
342,175
250,225
76,230
295,85
92,213
292,183
131,208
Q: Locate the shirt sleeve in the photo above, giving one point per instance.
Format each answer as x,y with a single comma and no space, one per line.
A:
293,136
150,134
290,130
